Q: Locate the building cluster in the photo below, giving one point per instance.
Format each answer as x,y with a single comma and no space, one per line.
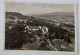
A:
43,29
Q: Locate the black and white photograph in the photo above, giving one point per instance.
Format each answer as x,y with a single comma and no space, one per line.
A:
40,27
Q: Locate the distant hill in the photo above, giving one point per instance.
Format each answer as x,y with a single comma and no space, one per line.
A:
59,13
63,17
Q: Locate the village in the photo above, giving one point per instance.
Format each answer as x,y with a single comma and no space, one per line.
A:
35,37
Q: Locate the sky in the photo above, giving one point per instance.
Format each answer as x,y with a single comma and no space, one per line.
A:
38,8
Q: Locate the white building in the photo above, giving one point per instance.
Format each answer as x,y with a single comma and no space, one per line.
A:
36,28
10,27
44,29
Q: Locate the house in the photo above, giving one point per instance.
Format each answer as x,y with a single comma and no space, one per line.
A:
10,27
15,20
57,23
33,28
21,20
44,29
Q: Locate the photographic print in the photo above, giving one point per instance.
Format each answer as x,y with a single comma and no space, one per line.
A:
40,27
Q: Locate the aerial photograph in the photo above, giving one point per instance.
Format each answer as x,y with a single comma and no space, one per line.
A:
40,27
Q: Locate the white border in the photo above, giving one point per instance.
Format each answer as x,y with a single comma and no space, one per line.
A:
61,52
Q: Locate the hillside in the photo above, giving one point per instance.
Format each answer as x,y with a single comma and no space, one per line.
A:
49,19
